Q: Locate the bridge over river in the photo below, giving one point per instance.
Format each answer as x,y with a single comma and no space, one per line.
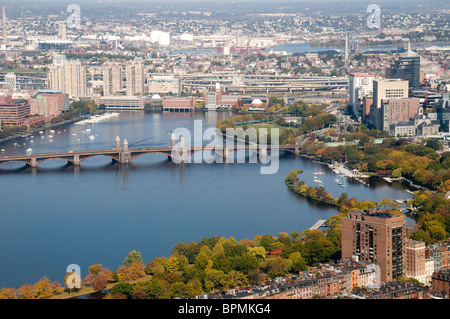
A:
177,152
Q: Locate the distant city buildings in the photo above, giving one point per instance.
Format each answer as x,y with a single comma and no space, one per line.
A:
13,111
398,110
135,77
10,80
384,89
360,86
112,78
178,104
68,76
49,103
164,84
406,67
120,102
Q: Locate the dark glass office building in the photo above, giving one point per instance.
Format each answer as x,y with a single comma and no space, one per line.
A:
406,68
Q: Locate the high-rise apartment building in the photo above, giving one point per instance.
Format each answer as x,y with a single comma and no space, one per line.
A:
415,260
75,77
360,86
135,77
67,76
112,78
377,237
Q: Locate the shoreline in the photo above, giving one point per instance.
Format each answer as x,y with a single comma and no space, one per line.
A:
40,128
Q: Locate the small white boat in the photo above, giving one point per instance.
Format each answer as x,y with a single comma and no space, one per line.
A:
50,136
29,151
2,149
50,141
74,134
91,137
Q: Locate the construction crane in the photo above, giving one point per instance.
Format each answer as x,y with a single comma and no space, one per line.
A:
426,81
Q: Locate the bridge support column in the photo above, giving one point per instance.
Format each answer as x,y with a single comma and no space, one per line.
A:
180,152
226,154
124,157
173,142
76,160
33,162
297,151
263,155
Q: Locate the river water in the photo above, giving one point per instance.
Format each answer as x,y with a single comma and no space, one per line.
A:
57,215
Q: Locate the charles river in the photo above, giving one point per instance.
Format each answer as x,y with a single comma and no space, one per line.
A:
57,215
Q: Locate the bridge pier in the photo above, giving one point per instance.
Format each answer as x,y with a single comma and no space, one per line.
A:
297,151
76,160
125,154
226,154
173,142
263,155
33,162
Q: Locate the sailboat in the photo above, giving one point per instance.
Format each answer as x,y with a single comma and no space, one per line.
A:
341,183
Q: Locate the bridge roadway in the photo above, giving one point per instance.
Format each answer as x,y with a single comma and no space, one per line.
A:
125,155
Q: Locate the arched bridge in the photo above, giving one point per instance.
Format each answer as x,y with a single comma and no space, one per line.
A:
125,155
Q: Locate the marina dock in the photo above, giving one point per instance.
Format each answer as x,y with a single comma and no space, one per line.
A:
318,224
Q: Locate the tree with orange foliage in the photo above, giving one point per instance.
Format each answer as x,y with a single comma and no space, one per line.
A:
8,293
26,292
45,289
132,272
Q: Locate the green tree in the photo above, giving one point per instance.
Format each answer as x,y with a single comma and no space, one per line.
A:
397,173
277,267
297,263
133,256
124,288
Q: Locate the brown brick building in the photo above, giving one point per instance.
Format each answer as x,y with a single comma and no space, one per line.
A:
377,237
441,283
13,112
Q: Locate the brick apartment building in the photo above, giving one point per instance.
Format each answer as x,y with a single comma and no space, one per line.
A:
49,103
376,237
441,283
